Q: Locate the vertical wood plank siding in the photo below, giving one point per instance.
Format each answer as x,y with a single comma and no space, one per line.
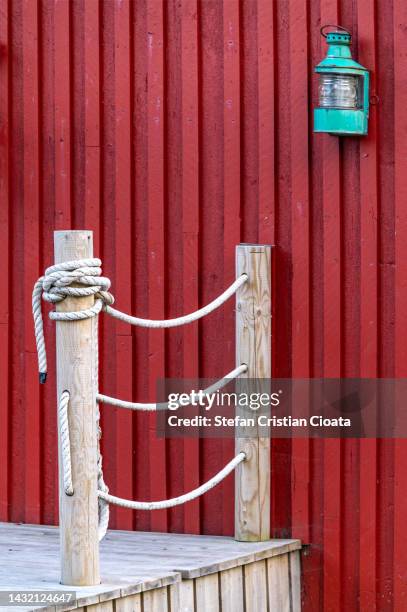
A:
175,129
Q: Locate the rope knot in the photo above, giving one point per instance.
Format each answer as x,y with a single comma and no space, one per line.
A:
79,278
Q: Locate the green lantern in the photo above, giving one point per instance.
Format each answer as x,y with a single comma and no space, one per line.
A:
343,88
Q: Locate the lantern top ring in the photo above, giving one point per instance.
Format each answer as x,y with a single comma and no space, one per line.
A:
342,29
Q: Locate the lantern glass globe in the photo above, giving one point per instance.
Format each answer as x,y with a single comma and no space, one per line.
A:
339,91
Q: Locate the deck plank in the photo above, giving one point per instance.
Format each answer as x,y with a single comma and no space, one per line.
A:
131,562
232,594
132,603
207,593
182,596
155,601
256,587
295,571
278,573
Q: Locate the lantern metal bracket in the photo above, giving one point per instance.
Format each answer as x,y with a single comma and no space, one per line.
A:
338,27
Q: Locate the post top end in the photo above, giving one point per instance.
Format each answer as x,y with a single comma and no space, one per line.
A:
62,232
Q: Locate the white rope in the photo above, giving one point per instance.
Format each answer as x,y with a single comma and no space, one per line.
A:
85,275
189,318
65,442
54,287
175,501
114,401
103,507
39,329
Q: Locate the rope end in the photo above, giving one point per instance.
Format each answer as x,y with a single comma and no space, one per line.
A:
43,377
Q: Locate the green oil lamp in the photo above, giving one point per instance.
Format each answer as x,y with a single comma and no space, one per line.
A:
343,88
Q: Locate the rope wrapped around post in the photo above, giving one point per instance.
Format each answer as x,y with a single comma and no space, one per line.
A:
54,287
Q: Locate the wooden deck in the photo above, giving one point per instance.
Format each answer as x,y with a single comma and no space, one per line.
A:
158,572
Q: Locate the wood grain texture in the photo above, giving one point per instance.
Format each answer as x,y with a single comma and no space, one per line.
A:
255,581
106,606
75,347
131,603
157,572
207,593
278,576
182,596
155,600
253,348
295,581
231,590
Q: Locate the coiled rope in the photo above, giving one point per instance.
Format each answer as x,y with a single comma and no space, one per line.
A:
54,287
176,501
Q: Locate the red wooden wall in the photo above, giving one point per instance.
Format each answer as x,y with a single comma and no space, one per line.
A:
175,129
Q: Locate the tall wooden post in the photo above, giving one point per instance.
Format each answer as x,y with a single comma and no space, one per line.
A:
76,346
253,348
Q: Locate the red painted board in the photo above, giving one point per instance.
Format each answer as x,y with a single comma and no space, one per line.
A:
300,323
231,213
175,131
156,238
369,313
31,162
400,213
190,236
4,253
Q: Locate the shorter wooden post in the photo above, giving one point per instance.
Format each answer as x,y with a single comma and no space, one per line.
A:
76,345
253,348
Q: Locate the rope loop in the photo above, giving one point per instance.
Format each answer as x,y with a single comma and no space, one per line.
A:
56,285
329,25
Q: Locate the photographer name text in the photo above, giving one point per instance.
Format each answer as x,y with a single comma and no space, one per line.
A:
259,421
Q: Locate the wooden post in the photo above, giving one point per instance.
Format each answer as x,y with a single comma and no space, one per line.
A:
253,347
76,354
